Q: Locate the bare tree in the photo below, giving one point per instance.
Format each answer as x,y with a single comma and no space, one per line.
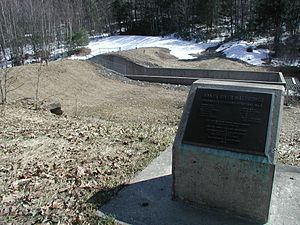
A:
8,83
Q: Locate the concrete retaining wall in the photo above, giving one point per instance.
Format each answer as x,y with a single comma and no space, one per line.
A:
182,76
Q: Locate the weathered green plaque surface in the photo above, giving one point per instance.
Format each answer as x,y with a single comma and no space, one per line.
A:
231,120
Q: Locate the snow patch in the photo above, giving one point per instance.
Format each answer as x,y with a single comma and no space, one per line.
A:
238,50
179,48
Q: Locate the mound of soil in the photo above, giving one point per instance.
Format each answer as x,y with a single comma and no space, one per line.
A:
83,51
86,89
161,57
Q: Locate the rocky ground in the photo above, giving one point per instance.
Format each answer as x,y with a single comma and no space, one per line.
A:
57,169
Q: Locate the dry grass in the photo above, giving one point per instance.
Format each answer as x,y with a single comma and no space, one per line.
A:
161,57
289,142
57,169
51,167
84,89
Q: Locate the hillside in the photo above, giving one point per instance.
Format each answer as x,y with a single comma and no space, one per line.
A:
161,57
58,169
50,166
86,89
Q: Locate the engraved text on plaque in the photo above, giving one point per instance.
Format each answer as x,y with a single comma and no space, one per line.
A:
232,120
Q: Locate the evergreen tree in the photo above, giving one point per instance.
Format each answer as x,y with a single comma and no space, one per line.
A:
292,16
80,38
269,20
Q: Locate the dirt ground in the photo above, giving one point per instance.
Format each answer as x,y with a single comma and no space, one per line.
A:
57,169
289,145
289,142
86,89
161,57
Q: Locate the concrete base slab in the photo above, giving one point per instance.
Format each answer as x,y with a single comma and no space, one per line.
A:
147,200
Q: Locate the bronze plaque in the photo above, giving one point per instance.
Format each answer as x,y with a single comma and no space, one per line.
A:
231,120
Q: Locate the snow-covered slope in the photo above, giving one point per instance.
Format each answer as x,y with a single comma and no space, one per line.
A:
238,50
184,49
179,48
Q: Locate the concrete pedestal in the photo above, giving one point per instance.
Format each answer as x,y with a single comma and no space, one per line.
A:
229,181
146,200
224,153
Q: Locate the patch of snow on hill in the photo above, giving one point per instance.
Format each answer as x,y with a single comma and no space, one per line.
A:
238,50
179,48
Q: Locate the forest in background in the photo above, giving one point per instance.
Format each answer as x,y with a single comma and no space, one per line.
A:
45,25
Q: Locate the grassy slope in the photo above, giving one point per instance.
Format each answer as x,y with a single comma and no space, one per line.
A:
81,87
161,57
52,167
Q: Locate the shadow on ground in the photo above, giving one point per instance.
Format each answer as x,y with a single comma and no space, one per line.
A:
149,202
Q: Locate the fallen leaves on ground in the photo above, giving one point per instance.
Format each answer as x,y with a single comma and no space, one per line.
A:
52,167
56,170
289,142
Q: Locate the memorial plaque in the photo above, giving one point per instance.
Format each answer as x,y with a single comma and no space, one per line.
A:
231,120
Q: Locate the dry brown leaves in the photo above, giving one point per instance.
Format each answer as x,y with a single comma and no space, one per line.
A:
52,167
289,142
58,169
